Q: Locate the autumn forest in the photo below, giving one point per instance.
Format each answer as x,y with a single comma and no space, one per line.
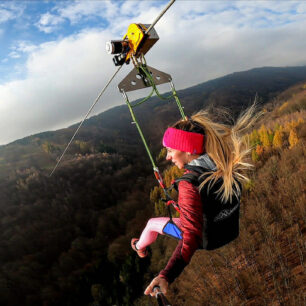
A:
65,239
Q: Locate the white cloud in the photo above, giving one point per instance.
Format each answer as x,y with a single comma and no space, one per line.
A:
49,22
63,79
24,47
5,15
76,11
114,13
88,9
10,10
14,54
216,38
20,48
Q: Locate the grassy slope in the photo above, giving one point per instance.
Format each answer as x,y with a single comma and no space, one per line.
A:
265,265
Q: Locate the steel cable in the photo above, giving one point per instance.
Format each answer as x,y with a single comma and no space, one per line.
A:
89,111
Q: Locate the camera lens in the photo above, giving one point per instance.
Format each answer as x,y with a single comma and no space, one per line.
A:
109,47
116,46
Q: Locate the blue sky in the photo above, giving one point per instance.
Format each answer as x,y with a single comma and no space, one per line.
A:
53,61
25,25
19,34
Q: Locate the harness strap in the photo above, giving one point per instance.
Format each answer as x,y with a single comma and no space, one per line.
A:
174,204
190,177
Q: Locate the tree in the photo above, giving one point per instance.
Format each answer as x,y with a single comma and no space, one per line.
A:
48,147
255,156
97,293
254,138
271,136
162,154
259,150
83,146
104,148
293,138
292,124
155,194
266,140
278,139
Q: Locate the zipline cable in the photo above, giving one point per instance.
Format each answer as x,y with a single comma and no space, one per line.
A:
99,96
93,105
160,16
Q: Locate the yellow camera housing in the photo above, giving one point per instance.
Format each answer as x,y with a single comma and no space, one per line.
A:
139,41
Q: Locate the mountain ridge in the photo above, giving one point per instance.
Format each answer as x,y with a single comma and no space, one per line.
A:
299,72
112,131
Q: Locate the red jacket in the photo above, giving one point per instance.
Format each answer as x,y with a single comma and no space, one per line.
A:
221,219
191,218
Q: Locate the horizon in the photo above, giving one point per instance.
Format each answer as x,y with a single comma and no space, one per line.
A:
123,104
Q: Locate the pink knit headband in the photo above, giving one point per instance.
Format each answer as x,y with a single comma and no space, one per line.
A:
184,141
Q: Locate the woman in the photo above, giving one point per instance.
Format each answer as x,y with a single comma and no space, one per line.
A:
213,156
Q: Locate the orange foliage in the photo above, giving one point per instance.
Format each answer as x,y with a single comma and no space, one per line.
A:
259,149
264,137
283,106
293,138
293,124
278,139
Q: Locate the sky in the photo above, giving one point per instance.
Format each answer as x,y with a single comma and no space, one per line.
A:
53,62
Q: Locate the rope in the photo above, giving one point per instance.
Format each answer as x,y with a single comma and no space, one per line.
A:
178,102
138,128
155,168
143,100
90,109
143,68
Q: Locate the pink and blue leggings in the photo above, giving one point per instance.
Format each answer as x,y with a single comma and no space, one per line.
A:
153,228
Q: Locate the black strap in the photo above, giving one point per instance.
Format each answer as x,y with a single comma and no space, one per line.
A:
169,212
190,177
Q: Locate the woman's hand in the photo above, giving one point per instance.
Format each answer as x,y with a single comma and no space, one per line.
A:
160,282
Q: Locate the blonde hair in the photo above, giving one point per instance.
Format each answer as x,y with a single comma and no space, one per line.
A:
227,147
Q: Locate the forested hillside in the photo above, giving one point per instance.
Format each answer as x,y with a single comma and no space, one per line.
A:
65,239
265,265
59,236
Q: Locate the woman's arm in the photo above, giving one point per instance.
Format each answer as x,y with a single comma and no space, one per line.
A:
191,217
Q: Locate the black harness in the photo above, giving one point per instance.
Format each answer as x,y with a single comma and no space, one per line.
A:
220,220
